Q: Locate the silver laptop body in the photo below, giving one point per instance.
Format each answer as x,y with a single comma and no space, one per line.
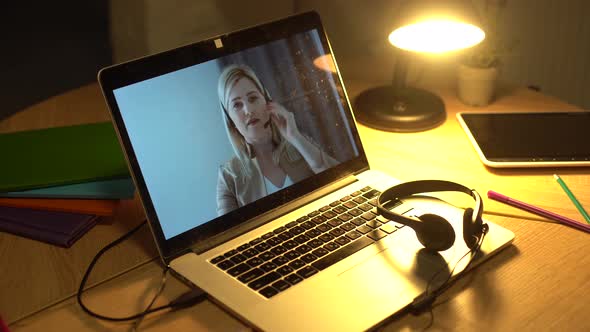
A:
306,257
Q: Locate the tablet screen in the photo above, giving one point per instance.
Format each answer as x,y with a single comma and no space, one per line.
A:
530,139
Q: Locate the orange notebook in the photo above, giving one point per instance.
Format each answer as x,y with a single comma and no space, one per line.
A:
99,207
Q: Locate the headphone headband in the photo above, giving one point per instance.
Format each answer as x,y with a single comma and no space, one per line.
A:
425,186
472,222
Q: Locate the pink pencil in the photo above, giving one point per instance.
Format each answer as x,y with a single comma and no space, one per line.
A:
538,211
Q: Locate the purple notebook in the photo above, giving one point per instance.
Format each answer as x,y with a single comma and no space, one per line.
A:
59,228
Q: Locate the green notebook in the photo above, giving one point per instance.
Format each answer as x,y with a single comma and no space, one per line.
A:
60,156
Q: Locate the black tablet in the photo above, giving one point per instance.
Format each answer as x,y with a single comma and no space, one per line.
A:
529,139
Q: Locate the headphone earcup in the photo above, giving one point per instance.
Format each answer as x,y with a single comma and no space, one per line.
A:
470,231
435,232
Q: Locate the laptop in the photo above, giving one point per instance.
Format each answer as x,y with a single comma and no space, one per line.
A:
289,245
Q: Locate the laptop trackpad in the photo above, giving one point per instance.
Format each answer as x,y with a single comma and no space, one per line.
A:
395,270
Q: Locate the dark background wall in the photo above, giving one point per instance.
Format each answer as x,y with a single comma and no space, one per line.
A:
49,48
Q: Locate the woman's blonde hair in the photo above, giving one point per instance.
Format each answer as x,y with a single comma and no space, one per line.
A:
227,79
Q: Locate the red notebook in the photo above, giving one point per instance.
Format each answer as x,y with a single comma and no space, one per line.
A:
100,207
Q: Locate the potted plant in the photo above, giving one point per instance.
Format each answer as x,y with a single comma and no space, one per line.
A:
479,68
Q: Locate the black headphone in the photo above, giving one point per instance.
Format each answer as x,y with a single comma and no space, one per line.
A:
433,231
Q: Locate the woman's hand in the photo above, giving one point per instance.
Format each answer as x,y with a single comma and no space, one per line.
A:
317,160
284,120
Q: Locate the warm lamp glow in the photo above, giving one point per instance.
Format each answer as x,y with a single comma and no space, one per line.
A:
325,62
436,36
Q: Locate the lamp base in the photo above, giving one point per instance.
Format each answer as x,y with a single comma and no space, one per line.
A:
402,110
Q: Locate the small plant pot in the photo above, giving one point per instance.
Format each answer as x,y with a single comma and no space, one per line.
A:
476,86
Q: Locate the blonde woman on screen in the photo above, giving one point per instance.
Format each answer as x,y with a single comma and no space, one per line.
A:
270,151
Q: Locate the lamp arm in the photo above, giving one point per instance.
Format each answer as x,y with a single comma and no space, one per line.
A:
400,70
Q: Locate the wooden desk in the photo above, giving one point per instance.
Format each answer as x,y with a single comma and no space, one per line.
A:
541,282
36,275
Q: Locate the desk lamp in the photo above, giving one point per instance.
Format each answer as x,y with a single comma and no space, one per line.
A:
424,26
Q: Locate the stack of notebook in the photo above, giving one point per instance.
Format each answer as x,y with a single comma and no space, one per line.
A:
56,183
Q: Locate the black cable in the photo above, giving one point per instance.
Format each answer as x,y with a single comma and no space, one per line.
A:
426,300
138,321
446,285
180,302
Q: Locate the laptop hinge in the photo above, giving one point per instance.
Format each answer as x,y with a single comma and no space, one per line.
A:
270,215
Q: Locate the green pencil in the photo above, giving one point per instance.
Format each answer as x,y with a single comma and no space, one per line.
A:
572,198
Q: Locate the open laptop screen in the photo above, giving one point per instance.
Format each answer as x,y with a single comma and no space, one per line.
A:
219,141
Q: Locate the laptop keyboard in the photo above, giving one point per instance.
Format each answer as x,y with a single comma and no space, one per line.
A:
301,248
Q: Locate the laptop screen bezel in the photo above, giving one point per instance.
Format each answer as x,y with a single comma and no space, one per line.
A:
121,75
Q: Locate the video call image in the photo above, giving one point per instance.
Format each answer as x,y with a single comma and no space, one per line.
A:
219,135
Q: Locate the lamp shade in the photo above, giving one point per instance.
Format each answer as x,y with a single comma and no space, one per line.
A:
436,26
